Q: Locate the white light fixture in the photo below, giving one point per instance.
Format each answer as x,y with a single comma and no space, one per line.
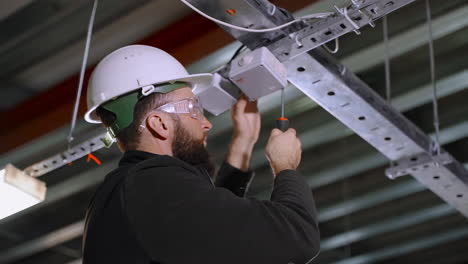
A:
18,191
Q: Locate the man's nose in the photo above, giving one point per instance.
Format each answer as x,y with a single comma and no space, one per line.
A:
206,125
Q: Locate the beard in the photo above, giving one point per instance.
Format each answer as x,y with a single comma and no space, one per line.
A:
194,152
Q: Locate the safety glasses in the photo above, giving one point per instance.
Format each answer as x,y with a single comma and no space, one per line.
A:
190,106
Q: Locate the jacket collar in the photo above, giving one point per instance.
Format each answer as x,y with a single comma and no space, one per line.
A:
132,157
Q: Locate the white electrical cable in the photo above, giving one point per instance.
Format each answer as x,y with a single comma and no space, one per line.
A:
297,40
436,147
273,10
82,72
336,49
318,15
344,12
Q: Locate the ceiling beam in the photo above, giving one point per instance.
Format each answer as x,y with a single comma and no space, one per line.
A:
386,226
441,26
369,200
404,248
119,32
42,243
7,8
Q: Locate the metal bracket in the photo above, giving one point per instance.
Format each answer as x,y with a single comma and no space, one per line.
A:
442,174
419,162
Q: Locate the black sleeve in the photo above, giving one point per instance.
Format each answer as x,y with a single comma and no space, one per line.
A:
181,218
234,179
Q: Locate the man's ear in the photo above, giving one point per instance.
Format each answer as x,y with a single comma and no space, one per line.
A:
159,125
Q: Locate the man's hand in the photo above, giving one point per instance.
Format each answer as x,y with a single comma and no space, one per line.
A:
246,124
283,150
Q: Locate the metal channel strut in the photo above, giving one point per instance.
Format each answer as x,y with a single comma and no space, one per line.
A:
347,19
84,148
335,88
357,106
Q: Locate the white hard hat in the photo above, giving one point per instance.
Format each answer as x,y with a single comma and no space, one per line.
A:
135,67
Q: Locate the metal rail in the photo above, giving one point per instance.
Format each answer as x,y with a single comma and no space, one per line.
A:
346,20
67,156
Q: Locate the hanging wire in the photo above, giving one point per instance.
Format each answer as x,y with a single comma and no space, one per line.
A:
82,72
388,77
345,191
436,143
388,84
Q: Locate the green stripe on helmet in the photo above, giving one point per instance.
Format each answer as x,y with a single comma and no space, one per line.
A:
124,106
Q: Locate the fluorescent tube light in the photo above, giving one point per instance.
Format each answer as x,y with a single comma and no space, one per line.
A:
18,191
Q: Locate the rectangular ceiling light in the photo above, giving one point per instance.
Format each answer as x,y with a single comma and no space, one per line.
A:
18,191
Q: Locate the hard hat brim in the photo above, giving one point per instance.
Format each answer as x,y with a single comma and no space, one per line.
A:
197,81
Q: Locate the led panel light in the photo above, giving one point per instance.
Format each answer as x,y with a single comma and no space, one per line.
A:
18,191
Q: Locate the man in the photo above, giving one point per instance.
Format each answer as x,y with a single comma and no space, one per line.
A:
160,205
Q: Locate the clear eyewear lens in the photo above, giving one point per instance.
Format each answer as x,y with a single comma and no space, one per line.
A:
187,106
197,109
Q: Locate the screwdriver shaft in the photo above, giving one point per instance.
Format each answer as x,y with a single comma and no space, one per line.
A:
282,102
282,123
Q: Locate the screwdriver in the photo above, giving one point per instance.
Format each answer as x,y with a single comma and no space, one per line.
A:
282,123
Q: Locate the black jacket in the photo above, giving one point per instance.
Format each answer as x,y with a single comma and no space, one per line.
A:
158,209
